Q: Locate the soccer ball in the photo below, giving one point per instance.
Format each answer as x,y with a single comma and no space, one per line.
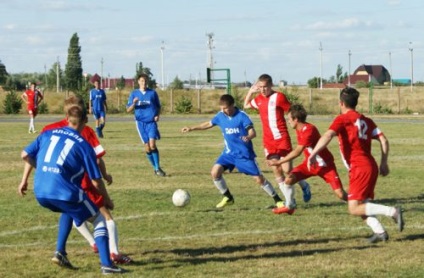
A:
181,198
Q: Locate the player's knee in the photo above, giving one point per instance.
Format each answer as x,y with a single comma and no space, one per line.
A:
290,180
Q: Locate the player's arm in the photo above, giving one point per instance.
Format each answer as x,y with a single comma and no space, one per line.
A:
249,96
251,133
202,126
100,186
24,98
90,104
321,144
384,146
28,166
103,171
290,156
40,97
131,106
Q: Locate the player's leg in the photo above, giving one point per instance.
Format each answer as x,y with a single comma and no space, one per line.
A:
220,183
154,135
86,233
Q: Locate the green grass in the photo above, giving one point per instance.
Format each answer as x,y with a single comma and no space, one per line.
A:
244,240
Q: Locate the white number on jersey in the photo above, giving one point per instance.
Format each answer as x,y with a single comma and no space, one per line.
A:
362,129
62,157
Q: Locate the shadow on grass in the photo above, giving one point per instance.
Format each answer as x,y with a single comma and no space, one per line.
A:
196,256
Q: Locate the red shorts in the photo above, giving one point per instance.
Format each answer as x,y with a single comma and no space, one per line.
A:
92,192
362,181
32,111
277,149
328,174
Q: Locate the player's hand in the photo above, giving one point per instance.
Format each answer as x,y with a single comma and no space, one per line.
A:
312,160
185,129
108,178
23,187
253,89
109,204
272,162
135,100
384,169
245,139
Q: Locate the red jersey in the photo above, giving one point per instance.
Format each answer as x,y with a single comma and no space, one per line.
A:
271,110
33,97
355,132
308,137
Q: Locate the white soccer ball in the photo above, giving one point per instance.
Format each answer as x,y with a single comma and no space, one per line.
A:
181,198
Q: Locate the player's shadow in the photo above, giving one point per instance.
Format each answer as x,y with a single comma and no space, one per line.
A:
196,256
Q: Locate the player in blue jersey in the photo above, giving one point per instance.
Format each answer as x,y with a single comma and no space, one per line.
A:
98,107
146,106
61,156
238,131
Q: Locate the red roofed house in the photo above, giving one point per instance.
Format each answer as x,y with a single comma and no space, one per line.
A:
376,74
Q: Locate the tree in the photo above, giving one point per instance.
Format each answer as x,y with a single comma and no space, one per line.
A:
52,76
315,82
176,84
73,68
339,73
3,73
140,69
121,83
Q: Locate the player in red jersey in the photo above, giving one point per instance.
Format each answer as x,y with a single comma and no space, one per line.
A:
307,137
88,134
32,97
272,106
355,132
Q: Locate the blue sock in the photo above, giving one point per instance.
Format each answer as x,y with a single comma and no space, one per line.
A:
155,155
98,131
150,158
102,126
102,240
65,227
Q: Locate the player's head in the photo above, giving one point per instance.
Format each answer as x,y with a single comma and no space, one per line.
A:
143,80
32,85
264,84
72,101
227,104
349,97
97,84
297,114
76,117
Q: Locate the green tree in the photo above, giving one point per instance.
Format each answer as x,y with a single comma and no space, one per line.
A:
52,76
141,69
12,103
315,82
177,84
339,74
121,83
73,68
3,74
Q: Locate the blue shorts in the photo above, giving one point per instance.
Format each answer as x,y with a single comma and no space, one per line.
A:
147,131
79,212
243,165
97,114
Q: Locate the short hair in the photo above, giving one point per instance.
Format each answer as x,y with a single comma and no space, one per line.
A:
144,76
266,78
226,100
72,101
297,111
349,96
76,115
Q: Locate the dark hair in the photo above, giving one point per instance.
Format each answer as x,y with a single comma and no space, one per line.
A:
349,96
226,100
266,78
144,76
297,111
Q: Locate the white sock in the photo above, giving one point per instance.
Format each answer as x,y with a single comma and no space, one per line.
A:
288,193
31,123
376,209
375,225
85,232
268,188
221,185
113,236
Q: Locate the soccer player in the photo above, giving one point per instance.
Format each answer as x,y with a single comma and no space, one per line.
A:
88,134
98,107
61,156
146,106
32,97
272,106
355,132
238,132
307,137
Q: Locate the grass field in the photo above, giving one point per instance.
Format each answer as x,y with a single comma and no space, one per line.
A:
244,240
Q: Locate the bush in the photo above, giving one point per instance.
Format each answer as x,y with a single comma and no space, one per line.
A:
43,108
12,103
380,109
183,105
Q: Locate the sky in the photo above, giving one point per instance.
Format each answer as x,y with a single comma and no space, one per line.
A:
290,40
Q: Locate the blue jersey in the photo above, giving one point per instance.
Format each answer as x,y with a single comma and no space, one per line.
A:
147,107
233,128
98,98
62,156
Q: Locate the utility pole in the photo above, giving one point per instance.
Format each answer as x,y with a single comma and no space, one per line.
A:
391,74
101,73
210,61
320,68
57,75
348,77
162,48
412,64
45,76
